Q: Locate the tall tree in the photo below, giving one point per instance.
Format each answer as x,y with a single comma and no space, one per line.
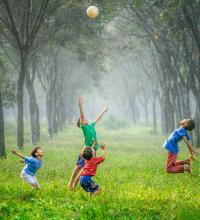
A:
7,100
19,25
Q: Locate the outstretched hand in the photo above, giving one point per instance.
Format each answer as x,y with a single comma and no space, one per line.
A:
102,146
105,109
14,151
94,144
80,100
193,155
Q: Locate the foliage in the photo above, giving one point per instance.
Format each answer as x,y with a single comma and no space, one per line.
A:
115,123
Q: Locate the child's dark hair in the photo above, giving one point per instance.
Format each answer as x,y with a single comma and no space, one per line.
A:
86,153
78,123
190,125
34,151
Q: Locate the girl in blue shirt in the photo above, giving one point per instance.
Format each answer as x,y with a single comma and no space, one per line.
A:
33,163
171,145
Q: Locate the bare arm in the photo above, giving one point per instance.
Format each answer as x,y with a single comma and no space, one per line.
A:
103,111
80,103
18,154
191,149
102,146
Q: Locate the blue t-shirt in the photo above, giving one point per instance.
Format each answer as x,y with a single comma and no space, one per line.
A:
171,144
32,165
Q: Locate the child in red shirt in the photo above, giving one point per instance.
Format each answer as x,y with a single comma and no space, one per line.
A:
89,170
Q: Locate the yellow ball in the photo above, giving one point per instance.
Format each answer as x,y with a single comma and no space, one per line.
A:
92,12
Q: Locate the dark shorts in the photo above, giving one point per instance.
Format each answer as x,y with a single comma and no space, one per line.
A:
88,184
80,161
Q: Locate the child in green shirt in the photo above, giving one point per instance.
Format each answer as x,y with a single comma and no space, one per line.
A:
90,135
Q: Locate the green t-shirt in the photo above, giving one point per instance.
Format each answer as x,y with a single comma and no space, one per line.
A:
90,134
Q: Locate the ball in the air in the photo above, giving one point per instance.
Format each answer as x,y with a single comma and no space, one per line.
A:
92,12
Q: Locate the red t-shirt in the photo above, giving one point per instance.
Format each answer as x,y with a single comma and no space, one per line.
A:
91,166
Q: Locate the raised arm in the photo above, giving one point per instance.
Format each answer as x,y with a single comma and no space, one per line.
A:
191,149
103,111
102,146
18,154
80,103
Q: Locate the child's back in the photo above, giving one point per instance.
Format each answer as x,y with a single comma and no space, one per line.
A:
90,169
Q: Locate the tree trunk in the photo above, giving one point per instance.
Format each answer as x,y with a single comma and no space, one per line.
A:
57,96
2,137
50,102
197,123
49,114
154,115
177,104
132,103
34,111
53,95
146,113
20,97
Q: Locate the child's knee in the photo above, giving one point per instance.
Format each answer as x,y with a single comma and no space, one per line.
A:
169,170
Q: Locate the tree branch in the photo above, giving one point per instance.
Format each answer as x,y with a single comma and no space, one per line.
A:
12,23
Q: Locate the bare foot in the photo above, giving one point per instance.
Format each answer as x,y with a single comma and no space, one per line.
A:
95,192
70,185
190,168
188,161
75,182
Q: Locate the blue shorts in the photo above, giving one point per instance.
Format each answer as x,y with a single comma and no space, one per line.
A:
80,161
88,184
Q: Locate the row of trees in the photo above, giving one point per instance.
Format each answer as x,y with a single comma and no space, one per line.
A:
159,43
172,34
33,35
153,45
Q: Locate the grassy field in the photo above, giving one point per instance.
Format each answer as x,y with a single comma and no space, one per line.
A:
132,178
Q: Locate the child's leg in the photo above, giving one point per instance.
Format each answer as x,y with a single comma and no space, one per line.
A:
79,165
97,191
181,162
188,169
36,185
171,166
73,176
177,166
75,182
30,180
176,169
89,185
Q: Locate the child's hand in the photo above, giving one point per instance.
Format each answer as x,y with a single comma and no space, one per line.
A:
196,153
21,161
80,100
102,146
105,109
94,143
193,156
14,151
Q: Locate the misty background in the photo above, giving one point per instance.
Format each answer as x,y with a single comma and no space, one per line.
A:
138,58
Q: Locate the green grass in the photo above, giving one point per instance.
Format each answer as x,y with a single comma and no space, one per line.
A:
132,178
